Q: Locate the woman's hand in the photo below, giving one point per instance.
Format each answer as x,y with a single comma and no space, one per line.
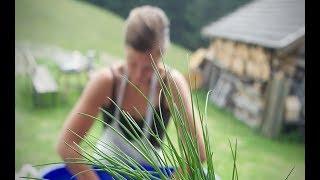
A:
174,175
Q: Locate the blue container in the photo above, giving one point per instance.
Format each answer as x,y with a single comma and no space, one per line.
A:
60,172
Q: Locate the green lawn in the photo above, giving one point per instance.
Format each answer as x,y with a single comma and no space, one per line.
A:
77,25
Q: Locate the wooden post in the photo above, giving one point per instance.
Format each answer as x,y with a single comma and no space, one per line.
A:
278,116
207,73
273,113
215,71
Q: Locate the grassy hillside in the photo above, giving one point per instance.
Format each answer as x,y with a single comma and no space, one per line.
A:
76,25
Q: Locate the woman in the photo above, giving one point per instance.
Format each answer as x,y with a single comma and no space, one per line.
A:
146,33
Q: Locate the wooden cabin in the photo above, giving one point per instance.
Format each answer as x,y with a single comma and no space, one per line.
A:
255,64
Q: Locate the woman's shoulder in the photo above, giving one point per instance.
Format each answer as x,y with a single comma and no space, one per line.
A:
174,73
102,75
177,78
107,75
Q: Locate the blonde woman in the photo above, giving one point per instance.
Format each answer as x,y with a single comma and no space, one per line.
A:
146,32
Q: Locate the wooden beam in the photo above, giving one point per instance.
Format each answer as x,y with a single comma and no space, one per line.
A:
278,89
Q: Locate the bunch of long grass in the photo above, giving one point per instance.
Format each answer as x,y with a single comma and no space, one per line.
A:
186,157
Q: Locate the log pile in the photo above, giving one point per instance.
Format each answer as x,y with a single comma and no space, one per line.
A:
195,76
241,76
197,57
248,104
223,89
292,108
211,67
241,59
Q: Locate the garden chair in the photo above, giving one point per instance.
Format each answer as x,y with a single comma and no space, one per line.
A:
43,82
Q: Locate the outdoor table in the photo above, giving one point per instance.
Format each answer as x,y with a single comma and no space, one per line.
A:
75,64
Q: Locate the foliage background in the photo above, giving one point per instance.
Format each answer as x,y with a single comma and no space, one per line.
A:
187,16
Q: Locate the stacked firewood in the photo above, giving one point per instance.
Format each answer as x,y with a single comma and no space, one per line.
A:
292,108
248,104
243,79
241,59
294,104
195,74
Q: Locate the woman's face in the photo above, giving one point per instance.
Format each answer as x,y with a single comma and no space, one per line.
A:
140,66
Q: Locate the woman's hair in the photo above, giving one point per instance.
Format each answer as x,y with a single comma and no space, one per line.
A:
147,27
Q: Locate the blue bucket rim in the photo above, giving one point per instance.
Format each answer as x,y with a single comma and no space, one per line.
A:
50,168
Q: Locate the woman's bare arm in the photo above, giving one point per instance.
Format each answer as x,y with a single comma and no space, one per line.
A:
94,96
180,85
